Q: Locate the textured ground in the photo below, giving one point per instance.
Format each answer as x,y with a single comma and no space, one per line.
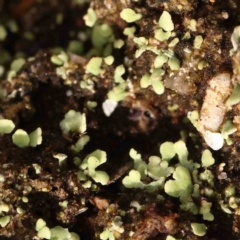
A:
42,92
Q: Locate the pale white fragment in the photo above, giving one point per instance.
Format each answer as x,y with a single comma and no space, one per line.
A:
214,107
109,106
214,140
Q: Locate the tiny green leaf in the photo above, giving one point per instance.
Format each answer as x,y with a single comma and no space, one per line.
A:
145,81
134,154
17,64
202,64
174,63
170,238
100,155
74,122
3,33
158,169
193,117
205,210
139,164
81,176
79,145
181,186
75,46
199,229
56,60
165,21
207,176
189,206
4,221
94,66
207,159
181,150
173,43
198,42
167,150
93,163
158,87
118,93
91,105
235,38
44,233
6,126
130,15
60,233
235,96
100,177
161,36
160,60
35,137
40,224
107,234
109,60
21,138
129,31
119,71
90,18
133,180
228,129
118,43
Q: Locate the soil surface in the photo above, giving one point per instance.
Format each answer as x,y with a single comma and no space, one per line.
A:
38,96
